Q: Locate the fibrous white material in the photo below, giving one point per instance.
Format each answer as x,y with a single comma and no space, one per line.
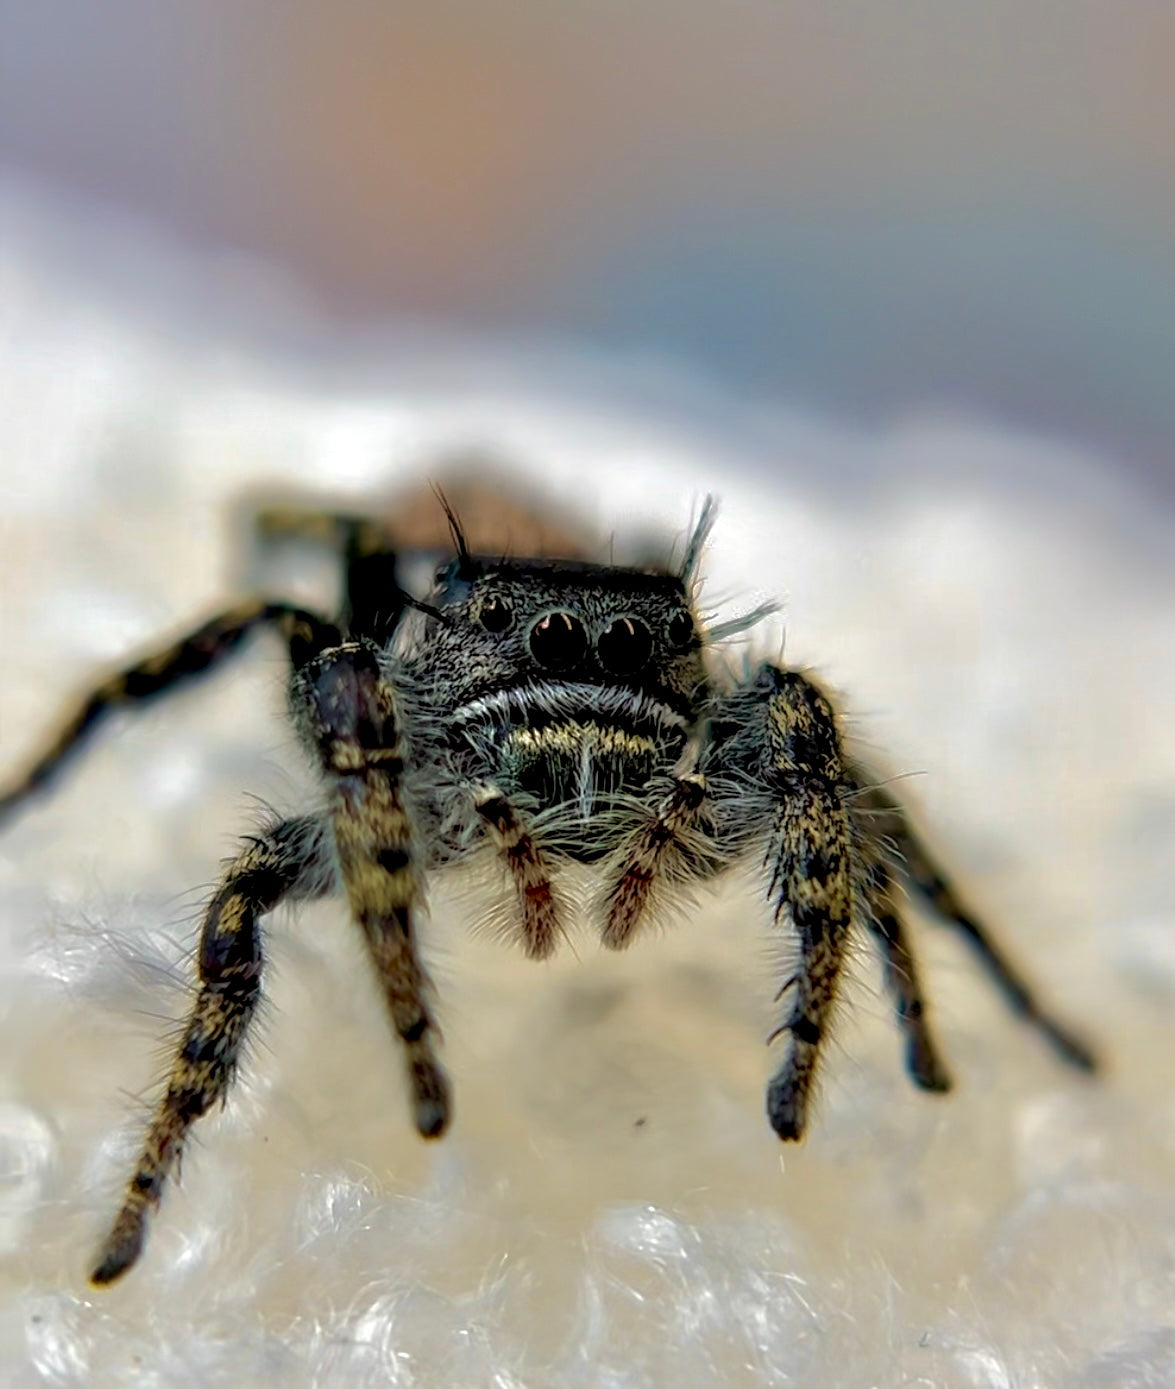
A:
611,1208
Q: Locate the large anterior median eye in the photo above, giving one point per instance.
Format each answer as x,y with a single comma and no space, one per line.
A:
624,646
558,640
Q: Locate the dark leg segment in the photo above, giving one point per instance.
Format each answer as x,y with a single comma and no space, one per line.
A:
923,1060
646,857
347,713
193,655
922,870
529,870
374,601
291,859
811,863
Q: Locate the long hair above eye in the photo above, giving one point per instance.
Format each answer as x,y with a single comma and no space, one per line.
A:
464,559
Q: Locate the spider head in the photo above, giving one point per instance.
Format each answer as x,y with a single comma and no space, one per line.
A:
503,624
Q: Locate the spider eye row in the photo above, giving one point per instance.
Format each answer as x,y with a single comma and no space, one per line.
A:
559,639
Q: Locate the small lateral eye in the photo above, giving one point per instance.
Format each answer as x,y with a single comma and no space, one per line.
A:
558,640
680,632
495,615
624,646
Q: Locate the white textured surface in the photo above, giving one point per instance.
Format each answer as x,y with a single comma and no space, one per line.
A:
610,1208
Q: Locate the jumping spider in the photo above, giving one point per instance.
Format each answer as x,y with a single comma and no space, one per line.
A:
541,711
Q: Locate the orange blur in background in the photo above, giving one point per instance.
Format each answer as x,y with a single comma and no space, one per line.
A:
857,207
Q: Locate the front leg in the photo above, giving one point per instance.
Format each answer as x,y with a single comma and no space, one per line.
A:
346,710
780,735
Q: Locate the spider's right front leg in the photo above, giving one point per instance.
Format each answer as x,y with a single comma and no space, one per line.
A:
347,711
782,735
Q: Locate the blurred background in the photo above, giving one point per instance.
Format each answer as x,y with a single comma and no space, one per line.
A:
854,207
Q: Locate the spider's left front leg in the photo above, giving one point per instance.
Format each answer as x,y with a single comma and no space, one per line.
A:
290,860
779,734
348,712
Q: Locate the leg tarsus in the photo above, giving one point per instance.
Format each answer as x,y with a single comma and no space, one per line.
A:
787,1106
431,1097
123,1244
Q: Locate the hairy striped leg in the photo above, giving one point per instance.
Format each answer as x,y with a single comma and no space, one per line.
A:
192,655
530,871
884,919
347,712
810,856
918,863
291,860
645,857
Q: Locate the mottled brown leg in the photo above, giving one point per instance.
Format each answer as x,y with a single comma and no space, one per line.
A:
811,861
529,870
924,873
347,712
290,859
923,1060
646,857
193,655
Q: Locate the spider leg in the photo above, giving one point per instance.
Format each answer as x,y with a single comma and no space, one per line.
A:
778,733
192,655
373,600
347,713
292,858
924,873
646,856
530,870
884,920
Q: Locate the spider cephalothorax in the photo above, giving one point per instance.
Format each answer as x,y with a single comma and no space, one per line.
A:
539,712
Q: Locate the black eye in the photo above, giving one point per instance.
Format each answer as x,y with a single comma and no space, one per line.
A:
681,631
624,646
558,640
494,615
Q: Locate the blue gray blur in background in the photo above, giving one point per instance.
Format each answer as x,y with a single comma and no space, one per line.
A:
854,207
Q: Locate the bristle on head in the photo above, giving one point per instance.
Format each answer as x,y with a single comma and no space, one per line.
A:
733,626
459,541
697,541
